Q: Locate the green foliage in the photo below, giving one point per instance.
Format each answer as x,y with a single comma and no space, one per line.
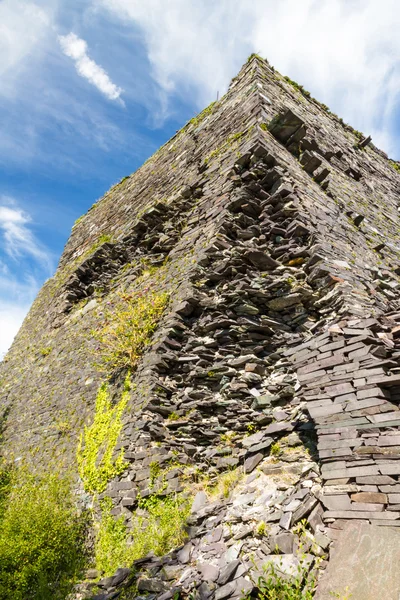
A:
158,526
78,220
254,55
173,416
275,449
111,546
204,113
261,529
274,586
225,483
95,454
264,126
307,95
128,327
41,537
298,87
155,471
395,165
45,351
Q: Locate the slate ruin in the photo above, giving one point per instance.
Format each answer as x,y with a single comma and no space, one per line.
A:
274,227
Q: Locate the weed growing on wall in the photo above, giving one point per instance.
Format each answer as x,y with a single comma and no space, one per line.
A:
41,537
95,454
128,327
273,585
156,526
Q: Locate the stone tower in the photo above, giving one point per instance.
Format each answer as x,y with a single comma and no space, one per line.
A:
270,229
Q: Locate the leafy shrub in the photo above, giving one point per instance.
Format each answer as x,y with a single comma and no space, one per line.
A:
157,526
41,537
95,453
128,327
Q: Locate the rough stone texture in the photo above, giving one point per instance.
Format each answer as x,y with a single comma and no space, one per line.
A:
363,564
276,234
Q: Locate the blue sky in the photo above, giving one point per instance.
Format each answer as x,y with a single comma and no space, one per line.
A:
90,88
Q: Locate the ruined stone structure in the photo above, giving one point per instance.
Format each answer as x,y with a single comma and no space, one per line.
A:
274,228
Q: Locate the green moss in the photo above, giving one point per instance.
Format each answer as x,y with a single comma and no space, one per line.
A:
204,113
155,471
95,454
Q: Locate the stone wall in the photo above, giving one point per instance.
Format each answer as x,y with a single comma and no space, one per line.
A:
274,227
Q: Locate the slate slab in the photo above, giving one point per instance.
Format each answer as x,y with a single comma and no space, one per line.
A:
363,564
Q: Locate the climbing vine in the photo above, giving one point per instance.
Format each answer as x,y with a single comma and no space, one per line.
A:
95,454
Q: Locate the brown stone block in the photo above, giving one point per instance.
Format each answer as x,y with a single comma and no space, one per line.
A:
372,497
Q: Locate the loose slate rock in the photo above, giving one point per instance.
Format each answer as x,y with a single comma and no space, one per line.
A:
251,462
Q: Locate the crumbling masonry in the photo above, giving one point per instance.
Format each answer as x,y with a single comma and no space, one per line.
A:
274,227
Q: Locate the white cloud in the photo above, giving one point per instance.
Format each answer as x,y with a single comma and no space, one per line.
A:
76,48
11,317
18,238
344,51
24,262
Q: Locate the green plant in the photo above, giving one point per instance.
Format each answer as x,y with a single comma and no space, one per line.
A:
395,165
158,528
45,351
155,471
298,87
173,416
41,536
128,327
254,55
261,528
273,585
95,453
78,220
228,437
275,449
63,427
225,483
204,113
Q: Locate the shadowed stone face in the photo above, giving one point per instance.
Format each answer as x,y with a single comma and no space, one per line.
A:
364,564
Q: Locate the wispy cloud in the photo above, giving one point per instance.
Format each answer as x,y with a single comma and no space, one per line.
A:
18,239
76,48
344,51
24,263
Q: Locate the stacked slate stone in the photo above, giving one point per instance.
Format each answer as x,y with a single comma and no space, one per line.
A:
276,231
350,378
215,363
